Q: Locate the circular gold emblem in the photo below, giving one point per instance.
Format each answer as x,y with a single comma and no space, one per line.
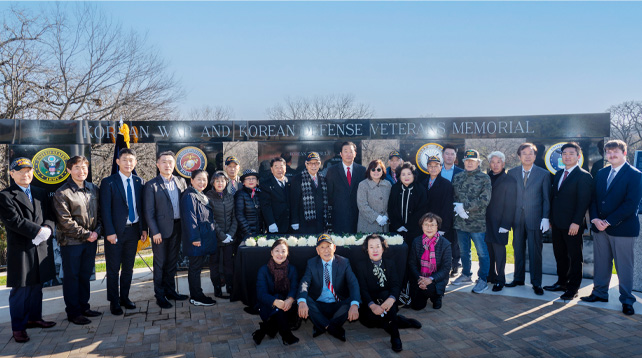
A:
189,159
428,150
553,158
50,165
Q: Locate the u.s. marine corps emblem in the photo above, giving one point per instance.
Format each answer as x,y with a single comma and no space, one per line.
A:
50,165
428,150
189,159
553,158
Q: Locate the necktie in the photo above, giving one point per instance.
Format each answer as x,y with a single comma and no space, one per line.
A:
394,176
316,183
564,178
130,202
252,196
610,179
430,183
328,283
526,174
28,192
233,184
349,177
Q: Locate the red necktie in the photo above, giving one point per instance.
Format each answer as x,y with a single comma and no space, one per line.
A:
349,177
252,196
564,178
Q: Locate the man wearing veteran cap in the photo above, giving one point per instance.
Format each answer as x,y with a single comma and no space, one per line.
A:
440,202
394,161
329,292
472,190
309,198
26,214
232,168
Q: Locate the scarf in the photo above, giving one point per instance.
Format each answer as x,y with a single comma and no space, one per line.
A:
494,177
378,272
309,206
280,273
428,260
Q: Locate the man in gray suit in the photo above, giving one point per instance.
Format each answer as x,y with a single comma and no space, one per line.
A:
531,216
162,212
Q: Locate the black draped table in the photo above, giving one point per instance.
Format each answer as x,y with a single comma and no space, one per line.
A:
250,259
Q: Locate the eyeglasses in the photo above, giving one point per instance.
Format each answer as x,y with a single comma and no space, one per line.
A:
429,225
378,169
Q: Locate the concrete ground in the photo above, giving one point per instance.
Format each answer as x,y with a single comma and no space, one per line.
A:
514,322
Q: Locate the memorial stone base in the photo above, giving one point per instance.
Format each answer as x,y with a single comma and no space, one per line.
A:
549,266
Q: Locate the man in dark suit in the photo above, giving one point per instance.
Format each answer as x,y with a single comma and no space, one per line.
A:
309,199
531,216
162,214
275,198
121,198
232,168
343,182
26,216
570,198
440,202
329,291
614,215
449,168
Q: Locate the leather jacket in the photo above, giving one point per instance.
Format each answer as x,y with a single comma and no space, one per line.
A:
77,213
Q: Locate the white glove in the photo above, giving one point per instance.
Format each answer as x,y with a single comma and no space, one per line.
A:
273,228
402,229
459,209
545,225
228,239
42,236
295,226
441,233
502,230
381,220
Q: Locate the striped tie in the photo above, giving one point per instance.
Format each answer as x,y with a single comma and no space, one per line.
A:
326,277
28,192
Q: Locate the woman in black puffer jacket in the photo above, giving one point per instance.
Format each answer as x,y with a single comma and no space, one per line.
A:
223,210
248,207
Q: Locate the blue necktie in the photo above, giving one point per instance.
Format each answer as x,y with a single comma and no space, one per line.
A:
130,202
28,192
610,178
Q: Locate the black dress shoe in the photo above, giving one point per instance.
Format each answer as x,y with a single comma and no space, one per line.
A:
289,339
337,332
21,336
115,309
91,313
80,320
569,295
593,298
405,322
316,331
515,283
538,290
498,287
396,344
628,309
555,287
436,304
40,324
163,303
127,303
251,310
176,296
258,336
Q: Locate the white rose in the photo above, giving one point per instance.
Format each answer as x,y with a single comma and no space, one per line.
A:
270,242
339,241
262,242
312,241
360,241
351,240
250,242
302,242
292,241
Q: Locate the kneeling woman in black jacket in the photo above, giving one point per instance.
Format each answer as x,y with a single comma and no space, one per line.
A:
199,234
380,286
429,264
276,287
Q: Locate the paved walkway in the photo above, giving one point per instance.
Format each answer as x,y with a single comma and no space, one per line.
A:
490,324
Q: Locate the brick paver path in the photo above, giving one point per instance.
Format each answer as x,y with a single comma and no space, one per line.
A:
468,325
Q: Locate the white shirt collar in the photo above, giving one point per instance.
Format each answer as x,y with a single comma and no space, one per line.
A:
345,167
618,168
572,168
123,177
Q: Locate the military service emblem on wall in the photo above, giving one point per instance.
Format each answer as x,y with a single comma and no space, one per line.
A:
50,165
428,150
189,159
553,158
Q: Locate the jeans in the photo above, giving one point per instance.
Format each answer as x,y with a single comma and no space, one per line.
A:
464,238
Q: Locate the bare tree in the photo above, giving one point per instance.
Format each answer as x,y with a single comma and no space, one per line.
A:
209,113
327,107
77,63
626,122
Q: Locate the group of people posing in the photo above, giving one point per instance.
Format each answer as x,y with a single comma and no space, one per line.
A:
458,205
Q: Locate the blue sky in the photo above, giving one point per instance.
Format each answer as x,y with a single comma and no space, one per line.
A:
404,59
